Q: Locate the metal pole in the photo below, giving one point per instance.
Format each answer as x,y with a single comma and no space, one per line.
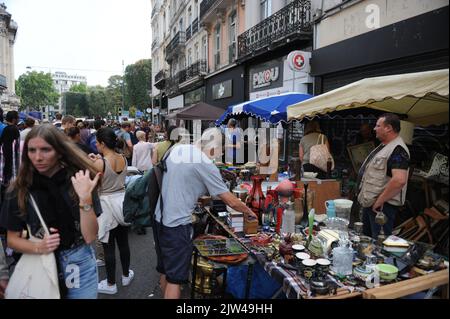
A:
123,80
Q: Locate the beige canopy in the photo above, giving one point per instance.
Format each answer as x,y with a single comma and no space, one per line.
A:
422,96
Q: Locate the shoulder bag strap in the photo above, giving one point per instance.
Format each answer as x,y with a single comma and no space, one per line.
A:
159,178
38,212
318,139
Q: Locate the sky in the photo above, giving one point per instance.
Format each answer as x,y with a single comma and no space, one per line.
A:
83,37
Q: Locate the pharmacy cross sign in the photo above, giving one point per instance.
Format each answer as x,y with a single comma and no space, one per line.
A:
298,61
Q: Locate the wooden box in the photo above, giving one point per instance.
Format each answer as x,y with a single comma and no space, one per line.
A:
323,190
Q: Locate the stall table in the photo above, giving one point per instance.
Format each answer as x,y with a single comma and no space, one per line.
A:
294,287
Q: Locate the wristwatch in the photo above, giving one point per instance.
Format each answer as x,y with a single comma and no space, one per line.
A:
86,207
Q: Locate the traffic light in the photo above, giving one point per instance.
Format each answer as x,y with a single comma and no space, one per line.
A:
120,111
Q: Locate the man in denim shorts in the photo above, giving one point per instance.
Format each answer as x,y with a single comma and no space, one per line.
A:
190,174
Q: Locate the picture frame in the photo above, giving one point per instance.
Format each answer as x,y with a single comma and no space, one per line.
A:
358,154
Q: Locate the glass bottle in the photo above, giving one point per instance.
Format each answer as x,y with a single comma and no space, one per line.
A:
343,259
288,221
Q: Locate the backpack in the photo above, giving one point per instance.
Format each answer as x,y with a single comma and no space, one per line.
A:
2,126
141,196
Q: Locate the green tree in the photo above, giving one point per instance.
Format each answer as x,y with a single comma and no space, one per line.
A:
114,90
76,104
99,101
138,83
36,90
78,88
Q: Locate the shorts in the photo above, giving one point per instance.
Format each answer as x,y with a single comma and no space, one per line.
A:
174,249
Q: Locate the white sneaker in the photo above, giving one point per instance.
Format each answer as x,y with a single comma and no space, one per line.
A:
104,288
100,262
126,280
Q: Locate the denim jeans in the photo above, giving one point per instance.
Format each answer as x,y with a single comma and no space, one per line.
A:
79,269
371,228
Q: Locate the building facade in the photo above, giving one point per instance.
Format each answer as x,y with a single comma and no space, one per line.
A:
8,32
359,39
62,83
179,55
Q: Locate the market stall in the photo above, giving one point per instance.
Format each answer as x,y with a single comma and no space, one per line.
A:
422,97
335,262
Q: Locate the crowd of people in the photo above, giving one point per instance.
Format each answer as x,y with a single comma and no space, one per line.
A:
76,172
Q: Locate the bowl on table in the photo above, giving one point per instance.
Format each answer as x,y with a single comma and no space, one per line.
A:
387,272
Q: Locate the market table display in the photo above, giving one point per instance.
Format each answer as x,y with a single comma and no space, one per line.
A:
322,257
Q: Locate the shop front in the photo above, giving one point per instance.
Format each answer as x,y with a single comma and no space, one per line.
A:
226,88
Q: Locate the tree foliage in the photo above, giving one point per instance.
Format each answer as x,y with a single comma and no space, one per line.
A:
78,88
138,78
36,90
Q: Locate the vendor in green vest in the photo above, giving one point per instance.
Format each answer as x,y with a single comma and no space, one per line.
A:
383,177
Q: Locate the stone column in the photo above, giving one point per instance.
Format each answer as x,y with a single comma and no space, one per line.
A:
12,81
252,13
3,46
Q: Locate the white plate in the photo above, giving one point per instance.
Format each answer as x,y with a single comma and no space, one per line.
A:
298,247
302,256
309,262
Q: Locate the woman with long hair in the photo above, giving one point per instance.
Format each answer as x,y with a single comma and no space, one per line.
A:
63,182
112,227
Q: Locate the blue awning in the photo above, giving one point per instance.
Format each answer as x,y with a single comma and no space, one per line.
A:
270,109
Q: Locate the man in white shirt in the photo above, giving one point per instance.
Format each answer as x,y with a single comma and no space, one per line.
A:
142,153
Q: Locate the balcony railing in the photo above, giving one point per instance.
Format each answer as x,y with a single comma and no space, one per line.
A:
172,86
160,76
292,20
196,69
178,40
205,5
188,33
195,26
232,52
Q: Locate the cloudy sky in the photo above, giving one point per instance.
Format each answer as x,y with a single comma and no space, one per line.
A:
85,37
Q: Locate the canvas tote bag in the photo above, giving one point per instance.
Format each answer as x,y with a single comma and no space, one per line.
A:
319,154
35,276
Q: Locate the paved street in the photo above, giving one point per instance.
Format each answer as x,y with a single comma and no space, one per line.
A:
143,263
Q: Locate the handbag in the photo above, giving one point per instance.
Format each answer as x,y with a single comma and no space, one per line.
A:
35,276
319,154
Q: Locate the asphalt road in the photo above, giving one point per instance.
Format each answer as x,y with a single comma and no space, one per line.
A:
145,284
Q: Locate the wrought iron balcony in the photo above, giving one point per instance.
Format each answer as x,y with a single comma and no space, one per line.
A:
195,26
188,33
172,86
160,75
205,5
160,79
293,22
196,69
178,41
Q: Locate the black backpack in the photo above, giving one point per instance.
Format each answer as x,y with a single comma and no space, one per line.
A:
155,185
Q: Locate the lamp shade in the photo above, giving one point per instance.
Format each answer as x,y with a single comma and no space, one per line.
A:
407,132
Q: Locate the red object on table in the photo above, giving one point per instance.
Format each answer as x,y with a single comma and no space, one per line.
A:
255,199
